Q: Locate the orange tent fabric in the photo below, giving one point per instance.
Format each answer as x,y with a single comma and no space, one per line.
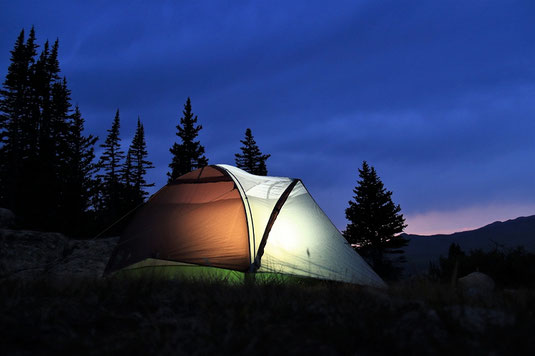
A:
199,218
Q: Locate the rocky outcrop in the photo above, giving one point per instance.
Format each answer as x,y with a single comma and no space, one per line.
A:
86,257
29,254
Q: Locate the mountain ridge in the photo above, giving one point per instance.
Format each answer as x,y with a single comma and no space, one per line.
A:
530,219
511,233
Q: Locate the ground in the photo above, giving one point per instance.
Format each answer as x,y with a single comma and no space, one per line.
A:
65,306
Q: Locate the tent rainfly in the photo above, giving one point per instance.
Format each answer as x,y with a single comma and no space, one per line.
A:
222,217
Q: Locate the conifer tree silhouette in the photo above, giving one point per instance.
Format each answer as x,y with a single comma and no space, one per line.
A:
110,163
14,115
78,176
251,159
188,155
374,221
136,166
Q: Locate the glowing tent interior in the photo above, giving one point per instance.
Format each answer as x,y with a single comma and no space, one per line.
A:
222,218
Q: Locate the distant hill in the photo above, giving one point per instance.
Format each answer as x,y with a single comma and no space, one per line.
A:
510,233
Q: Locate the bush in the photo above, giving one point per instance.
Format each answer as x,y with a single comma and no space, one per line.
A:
510,268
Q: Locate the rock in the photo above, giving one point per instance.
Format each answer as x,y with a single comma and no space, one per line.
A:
7,219
86,258
28,254
476,284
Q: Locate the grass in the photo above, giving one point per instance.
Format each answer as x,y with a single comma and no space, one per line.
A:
161,316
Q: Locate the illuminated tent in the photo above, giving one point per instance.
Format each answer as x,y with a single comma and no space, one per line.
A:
221,218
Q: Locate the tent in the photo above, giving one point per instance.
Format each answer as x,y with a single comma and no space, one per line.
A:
222,218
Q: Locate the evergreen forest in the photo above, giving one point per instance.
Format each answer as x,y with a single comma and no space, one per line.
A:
50,174
52,179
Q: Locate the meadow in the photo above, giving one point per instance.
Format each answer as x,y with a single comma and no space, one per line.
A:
96,316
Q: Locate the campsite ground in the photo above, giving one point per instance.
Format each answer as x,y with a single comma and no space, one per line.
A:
88,316
55,302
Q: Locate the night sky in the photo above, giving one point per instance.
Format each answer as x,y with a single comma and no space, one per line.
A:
438,96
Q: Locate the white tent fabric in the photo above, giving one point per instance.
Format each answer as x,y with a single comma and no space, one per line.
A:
302,241
261,195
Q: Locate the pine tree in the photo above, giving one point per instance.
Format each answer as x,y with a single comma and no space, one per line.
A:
50,147
374,221
15,113
140,164
251,159
44,140
188,155
78,175
62,124
135,169
111,162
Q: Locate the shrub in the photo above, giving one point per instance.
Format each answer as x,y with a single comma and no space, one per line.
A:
509,267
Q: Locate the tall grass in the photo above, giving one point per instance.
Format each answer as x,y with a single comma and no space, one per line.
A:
162,316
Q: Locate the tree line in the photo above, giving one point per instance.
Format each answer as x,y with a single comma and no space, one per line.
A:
52,179
46,160
49,173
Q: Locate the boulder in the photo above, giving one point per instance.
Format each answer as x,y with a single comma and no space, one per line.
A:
85,258
29,252
476,284
33,254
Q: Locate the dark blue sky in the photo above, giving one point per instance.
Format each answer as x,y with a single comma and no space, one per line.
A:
438,96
